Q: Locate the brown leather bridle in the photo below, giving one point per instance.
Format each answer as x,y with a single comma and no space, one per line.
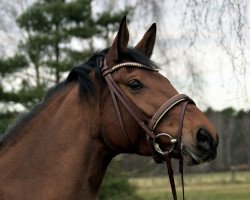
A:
149,124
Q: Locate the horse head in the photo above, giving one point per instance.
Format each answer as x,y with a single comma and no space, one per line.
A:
147,90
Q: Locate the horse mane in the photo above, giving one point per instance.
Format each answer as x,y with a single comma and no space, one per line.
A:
79,74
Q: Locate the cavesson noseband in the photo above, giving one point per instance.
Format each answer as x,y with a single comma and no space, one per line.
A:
149,124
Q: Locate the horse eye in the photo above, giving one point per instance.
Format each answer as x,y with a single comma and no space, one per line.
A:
135,85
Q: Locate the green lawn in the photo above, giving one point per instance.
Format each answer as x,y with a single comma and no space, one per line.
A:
213,186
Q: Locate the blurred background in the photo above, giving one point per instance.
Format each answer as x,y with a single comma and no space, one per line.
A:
202,47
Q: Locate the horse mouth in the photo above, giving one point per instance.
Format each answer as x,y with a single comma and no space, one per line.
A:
195,157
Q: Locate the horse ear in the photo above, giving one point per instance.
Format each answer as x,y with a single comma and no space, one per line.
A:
146,45
119,44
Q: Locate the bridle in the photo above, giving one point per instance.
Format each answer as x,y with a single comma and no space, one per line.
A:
149,124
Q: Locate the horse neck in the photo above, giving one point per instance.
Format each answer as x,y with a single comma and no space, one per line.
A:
56,155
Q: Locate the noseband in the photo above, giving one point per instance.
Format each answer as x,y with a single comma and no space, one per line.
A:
149,124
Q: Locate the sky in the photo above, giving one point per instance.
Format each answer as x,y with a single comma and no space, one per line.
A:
224,78
220,84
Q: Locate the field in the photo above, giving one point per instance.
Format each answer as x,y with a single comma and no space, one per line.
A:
212,186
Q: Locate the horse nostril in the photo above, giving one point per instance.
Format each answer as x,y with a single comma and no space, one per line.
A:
203,139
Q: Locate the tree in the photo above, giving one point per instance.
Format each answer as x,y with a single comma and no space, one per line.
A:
46,51
8,66
50,26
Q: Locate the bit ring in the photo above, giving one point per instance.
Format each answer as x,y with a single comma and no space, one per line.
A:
157,146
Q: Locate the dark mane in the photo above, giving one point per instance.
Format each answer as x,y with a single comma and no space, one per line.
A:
79,74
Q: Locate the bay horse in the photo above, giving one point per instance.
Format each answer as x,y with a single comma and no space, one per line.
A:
62,147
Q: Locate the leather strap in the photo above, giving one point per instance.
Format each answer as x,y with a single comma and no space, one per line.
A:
181,121
182,176
147,124
171,176
140,117
125,135
165,108
114,87
168,158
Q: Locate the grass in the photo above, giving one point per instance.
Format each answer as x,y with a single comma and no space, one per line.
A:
212,186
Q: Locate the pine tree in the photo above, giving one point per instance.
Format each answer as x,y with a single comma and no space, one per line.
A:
47,51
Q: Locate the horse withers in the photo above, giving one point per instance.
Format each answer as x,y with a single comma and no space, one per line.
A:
116,102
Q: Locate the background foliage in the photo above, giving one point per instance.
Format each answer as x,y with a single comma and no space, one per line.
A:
51,29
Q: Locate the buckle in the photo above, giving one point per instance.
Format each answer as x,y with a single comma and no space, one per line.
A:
157,146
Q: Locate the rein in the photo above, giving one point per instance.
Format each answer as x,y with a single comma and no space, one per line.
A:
149,124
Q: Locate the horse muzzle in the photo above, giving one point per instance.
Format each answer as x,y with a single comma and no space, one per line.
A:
204,150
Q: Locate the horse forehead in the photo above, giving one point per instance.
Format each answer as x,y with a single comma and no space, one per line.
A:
144,74
153,80
161,82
